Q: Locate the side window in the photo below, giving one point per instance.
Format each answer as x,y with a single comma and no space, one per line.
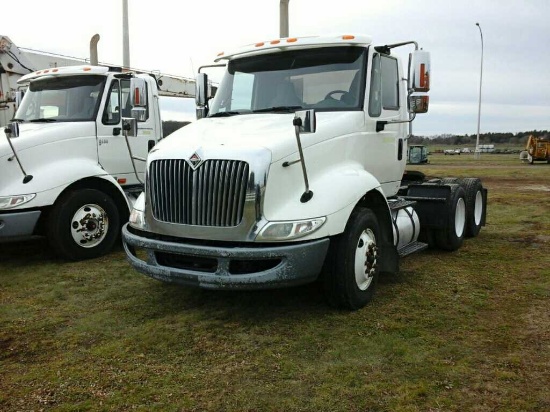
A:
390,84
111,115
384,87
125,106
375,99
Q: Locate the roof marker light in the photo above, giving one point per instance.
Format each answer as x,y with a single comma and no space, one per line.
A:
46,71
275,41
348,37
291,40
55,70
221,54
259,44
87,69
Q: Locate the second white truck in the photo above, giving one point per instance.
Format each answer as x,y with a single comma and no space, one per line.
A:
73,158
295,173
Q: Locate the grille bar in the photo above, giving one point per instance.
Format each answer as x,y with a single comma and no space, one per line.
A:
212,195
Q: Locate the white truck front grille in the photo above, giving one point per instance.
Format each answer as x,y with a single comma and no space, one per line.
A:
212,195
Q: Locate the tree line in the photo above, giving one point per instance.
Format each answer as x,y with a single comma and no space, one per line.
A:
519,138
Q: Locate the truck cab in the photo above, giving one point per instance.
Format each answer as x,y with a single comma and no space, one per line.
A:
68,167
292,174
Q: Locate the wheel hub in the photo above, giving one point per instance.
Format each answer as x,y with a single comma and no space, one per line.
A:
365,259
89,225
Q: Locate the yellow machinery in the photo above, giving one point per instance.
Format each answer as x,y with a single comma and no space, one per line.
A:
537,148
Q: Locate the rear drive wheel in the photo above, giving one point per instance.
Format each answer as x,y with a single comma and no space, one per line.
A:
355,258
451,236
84,224
475,205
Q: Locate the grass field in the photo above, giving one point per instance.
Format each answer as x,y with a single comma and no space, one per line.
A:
461,331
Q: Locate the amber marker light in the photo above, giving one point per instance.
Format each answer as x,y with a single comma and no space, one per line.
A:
291,40
348,37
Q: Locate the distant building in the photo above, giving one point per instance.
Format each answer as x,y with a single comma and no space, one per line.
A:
486,148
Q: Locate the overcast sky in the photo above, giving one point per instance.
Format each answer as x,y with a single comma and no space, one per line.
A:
176,37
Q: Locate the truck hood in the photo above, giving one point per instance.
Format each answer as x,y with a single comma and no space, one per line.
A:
34,134
274,132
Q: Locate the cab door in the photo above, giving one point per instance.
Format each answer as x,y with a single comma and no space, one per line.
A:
386,101
113,152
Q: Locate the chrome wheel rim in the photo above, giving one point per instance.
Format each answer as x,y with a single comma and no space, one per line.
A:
89,225
478,208
365,259
460,217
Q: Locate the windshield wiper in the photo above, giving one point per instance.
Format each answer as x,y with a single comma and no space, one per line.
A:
17,120
43,119
278,109
225,114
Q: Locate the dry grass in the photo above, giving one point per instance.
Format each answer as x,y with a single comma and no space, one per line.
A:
463,331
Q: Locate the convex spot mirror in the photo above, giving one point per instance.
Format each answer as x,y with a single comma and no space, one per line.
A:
305,120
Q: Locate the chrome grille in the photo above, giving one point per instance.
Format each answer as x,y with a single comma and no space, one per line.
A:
211,195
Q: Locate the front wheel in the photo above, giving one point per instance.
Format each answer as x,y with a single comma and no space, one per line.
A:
355,257
84,224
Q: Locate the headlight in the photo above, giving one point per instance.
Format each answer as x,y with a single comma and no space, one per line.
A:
7,202
290,230
137,217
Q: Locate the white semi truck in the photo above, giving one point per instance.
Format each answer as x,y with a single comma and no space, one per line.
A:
296,173
73,159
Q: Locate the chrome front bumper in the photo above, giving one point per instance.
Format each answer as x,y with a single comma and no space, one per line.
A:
225,266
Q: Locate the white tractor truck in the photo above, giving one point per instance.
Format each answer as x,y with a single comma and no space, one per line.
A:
295,172
72,161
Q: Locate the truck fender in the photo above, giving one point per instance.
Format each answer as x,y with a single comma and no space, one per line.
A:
336,191
52,178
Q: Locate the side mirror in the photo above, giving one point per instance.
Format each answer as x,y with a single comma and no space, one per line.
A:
419,71
305,120
129,125
12,130
201,90
418,103
139,113
138,92
18,97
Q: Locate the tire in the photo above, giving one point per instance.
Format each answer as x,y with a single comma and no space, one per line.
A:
450,180
353,272
452,236
84,224
475,205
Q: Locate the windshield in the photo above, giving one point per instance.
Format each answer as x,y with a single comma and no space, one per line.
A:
329,78
61,99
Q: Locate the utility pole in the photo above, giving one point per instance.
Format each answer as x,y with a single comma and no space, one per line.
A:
477,153
125,36
283,18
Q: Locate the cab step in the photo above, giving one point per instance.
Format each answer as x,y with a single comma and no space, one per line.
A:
412,248
400,204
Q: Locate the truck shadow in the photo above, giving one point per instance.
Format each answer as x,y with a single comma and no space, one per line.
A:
298,301
26,251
